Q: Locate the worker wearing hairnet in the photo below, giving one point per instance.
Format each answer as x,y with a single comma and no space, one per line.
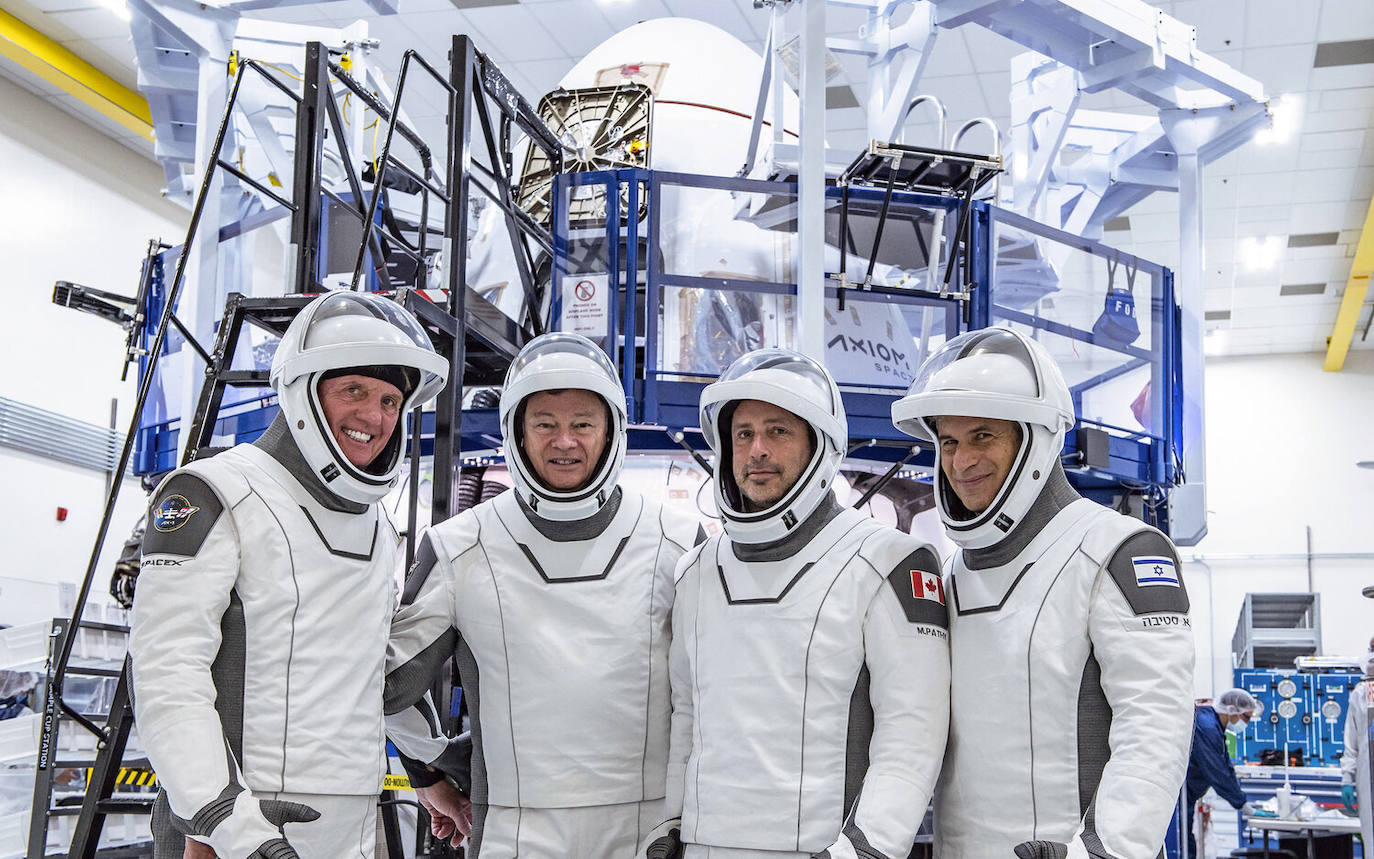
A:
1071,647
809,660
1355,756
1209,766
555,600
267,587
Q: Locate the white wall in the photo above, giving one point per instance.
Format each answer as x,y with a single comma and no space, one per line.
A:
78,207
1283,437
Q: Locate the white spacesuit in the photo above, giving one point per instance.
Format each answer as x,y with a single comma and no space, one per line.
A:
1355,755
267,584
1071,647
557,605
809,659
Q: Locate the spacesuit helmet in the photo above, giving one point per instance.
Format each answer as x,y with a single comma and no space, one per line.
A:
791,381
991,373
360,333
554,362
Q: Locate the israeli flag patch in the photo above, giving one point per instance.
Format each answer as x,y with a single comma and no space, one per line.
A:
1155,572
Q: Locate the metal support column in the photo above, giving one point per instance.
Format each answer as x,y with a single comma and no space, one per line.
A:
811,184
1189,131
448,418
305,184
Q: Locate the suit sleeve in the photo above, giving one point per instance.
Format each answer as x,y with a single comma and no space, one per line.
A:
906,651
1354,737
1142,639
1209,755
189,565
422,639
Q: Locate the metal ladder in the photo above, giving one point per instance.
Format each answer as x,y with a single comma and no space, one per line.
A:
103,771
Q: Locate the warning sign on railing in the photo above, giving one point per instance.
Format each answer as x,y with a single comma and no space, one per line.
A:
586,305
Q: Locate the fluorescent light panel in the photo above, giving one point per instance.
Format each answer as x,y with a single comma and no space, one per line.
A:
1259,254
1285,117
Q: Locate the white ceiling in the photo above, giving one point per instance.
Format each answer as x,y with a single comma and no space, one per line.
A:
1319,181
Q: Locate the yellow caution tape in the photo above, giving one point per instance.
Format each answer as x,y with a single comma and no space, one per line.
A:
396,782
138,777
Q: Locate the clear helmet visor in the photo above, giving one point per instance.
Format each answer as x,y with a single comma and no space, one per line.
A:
550,349
341,309
1003,365
792,370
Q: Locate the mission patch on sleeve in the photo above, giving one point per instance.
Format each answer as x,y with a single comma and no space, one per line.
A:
1146,569
920,589
181,516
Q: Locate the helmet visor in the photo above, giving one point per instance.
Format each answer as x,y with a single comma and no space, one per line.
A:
800,374
340,308
556,344
1011,356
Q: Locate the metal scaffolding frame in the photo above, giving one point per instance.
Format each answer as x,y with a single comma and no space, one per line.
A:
473,335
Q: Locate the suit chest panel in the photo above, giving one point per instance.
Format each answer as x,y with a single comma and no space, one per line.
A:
510,610
1032,610
811,627
313,562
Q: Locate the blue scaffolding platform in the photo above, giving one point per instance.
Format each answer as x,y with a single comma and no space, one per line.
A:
1007,270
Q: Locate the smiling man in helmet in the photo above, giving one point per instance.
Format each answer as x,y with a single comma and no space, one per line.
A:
1071,617
267,585
555,598
810,662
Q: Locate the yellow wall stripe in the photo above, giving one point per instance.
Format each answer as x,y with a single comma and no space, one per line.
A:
1356,288
45,58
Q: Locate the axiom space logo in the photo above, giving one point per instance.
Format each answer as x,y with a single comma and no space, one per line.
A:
173,512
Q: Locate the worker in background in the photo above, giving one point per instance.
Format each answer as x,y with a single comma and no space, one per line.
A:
810,653
1355,755
267,587
555,598
1071,646
1209,765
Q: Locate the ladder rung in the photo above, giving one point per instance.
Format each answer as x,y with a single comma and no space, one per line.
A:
127,763
93,671
245,378
126,805
108,627
70,805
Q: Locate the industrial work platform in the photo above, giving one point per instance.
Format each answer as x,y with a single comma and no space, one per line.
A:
932,276
1108,317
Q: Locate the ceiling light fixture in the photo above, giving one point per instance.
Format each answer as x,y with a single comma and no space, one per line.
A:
1285,116
1365,463
1215,342
1259,253
117,7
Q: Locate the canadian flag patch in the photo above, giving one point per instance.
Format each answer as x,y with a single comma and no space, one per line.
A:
927,586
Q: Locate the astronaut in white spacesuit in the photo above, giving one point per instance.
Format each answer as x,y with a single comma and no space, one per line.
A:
555,598
266,589
1071,647
809,661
